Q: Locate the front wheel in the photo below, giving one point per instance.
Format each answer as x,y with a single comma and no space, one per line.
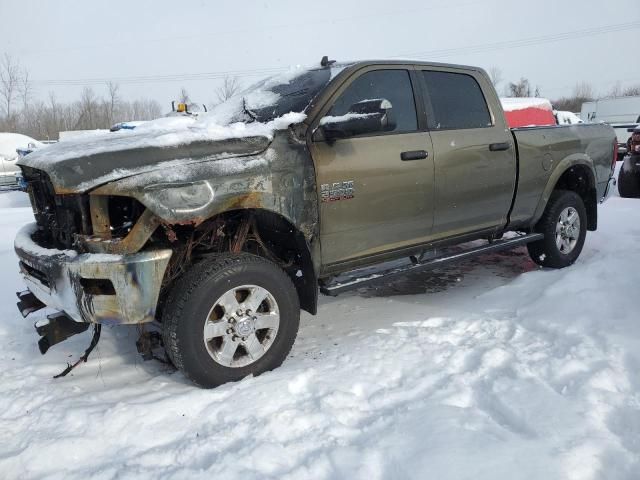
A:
229,317
564,225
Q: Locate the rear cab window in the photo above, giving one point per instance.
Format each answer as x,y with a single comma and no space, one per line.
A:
454,101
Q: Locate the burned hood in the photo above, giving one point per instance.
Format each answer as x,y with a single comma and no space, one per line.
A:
76,167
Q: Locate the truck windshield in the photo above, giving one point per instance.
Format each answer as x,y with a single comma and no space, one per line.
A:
275,96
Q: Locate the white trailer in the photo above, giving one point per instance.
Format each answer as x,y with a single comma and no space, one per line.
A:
612,110
622,113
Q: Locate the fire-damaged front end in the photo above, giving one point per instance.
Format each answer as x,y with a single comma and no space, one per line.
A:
113,230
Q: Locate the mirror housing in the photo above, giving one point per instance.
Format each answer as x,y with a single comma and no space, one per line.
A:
366,116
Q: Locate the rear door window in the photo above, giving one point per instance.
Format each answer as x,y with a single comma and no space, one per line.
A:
454,101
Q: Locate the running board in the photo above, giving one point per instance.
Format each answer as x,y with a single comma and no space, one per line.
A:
340,286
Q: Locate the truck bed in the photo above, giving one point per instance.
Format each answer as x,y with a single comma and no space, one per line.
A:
541,149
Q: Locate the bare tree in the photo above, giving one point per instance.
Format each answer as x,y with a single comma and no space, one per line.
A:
582,92
88,109
112,101
495,74
615,92
520,89
631,91
230,86
25,89
9,82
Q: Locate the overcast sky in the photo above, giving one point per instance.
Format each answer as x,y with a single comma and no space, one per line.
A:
171,44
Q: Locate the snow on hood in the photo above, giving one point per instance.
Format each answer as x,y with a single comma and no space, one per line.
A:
160,133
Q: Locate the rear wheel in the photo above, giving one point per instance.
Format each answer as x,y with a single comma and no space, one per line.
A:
628,181
229,317
564,225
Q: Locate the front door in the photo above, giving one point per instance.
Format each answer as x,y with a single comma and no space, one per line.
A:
371,200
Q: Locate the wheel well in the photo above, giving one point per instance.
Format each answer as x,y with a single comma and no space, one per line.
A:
255,231
580,179
288,244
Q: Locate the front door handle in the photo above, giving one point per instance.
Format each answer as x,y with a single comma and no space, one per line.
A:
413,155
498,147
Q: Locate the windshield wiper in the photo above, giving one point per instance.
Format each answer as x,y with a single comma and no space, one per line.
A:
248,112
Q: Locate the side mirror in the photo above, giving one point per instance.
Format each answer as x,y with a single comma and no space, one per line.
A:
366,116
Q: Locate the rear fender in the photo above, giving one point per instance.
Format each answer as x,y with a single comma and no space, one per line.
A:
571,162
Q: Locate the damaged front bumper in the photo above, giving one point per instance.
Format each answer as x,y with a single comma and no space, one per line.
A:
89,287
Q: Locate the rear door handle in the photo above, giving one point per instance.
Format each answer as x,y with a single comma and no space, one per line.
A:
497,147
413,155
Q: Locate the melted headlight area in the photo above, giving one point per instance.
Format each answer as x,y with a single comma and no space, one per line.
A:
179,199
119,224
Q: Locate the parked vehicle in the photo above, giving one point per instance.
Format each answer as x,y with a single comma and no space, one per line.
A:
623,114
612,110
629,176
11,144
528,112
623,136
308,182
566,118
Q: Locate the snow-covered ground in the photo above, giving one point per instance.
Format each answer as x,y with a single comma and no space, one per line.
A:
487,370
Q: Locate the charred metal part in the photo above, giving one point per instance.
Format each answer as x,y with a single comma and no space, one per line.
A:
148,342
99,205
97,328
59,328
274,179
240,237
28,303
132,243
77,283
59,217
79,174
170,233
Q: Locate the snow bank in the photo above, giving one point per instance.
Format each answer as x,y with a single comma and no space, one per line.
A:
488,370
9,142
567,118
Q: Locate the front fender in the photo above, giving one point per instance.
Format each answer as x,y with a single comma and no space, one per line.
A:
279,180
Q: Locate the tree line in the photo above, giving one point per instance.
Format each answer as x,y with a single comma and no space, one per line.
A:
22,112
582,91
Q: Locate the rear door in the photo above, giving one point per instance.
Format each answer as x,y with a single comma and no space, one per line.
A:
475,159
371,200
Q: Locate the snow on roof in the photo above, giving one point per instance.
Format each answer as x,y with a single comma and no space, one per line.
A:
9,142
510,104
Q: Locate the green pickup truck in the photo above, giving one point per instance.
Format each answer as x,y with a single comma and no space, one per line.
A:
220,229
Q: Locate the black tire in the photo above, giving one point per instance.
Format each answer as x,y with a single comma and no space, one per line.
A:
545,252
190,302
628,181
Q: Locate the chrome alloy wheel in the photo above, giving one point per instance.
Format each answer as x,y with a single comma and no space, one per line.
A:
567,230
241,326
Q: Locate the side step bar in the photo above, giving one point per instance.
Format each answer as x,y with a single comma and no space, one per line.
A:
338,287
